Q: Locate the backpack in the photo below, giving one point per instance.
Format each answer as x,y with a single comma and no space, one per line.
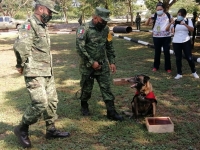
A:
178,22
155,17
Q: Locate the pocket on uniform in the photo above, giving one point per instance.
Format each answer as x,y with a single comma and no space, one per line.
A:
32,82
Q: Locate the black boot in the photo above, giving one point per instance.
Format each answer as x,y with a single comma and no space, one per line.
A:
21,131
84,108
52,132
111,112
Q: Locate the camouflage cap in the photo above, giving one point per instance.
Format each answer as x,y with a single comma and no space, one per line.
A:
47,3
103,13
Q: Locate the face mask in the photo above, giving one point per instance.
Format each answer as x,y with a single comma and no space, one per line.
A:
46,18
180,18
101,26
160,12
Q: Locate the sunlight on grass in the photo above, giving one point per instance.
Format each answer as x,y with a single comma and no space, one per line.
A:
70,82
178,99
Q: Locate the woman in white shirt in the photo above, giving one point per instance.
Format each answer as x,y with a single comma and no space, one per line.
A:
181,42
161,36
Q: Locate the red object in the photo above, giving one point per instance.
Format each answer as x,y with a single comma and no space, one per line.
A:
169,71
148,96
154,69
29,27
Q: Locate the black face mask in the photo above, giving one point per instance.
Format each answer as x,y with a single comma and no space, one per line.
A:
101,26
46,18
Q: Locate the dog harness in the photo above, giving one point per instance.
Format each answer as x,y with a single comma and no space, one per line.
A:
149,96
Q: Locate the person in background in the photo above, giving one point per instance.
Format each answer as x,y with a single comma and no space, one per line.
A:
194,19
161,37
138,21
182,42
34,61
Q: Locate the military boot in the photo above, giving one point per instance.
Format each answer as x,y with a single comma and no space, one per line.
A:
21,131
111,112
52,132
84,108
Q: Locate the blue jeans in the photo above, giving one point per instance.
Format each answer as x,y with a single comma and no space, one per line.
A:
186,47
160,42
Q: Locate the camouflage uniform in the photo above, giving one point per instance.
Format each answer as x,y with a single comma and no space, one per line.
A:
93,45
34,59
32,50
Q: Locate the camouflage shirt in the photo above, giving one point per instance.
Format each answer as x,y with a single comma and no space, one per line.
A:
94,45
32,49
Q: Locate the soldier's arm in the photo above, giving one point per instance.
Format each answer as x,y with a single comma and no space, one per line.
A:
23,44
110,51
81,37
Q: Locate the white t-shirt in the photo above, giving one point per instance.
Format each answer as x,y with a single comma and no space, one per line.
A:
161,23
181,32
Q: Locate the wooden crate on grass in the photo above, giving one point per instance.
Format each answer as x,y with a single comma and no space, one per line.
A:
159,124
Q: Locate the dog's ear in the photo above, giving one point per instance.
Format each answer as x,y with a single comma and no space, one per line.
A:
146,78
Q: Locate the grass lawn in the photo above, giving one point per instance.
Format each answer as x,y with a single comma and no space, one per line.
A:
178,99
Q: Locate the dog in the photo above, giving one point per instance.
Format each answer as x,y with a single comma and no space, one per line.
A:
144,101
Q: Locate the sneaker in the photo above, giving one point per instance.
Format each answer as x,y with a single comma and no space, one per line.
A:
178,76
195,75
154,69
169,71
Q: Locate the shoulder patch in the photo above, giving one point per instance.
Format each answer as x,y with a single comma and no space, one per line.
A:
80,33
109,37
23,34
26,26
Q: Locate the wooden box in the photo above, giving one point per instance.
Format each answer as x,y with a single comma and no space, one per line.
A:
120,81
159,124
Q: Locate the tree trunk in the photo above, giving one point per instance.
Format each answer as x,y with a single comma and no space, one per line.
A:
65,13
130,8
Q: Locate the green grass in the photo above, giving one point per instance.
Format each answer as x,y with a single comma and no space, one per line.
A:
178,99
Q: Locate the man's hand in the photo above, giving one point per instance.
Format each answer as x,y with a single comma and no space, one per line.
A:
20,70
113,68
96,66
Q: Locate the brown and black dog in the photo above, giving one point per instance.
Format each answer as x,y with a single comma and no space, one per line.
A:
144,101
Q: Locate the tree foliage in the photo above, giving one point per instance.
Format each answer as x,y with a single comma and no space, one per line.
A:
11,7
151,4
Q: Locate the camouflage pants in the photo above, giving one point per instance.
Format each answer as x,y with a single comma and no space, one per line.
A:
104,84
43,100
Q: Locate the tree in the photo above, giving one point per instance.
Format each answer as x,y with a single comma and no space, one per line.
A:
11,7
151,4
64,6
189,5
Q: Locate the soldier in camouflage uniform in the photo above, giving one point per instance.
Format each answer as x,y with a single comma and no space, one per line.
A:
34,61
94,45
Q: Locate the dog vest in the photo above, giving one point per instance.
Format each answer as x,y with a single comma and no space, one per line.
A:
148,96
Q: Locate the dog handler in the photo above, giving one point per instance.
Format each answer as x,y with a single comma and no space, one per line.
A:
181,42
161,37
94,45
34,60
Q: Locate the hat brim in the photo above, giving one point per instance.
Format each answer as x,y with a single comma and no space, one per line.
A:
105,19
54,11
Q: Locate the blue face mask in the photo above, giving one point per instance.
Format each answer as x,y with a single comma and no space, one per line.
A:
180,18
160,12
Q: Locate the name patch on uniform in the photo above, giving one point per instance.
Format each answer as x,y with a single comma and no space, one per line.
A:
26,26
